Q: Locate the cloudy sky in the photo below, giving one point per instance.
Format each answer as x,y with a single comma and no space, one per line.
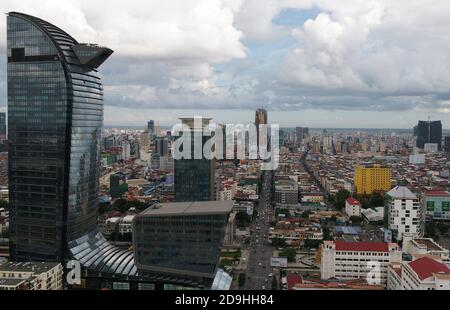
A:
317,63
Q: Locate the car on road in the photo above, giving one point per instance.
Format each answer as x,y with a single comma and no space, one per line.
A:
270,275
259,264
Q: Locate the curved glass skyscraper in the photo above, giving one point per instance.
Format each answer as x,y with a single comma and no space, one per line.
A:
55,118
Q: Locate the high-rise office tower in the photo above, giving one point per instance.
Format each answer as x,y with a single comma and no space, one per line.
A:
260,117
151,126
2,125
447,145
162,147
195,178
429,132
55,115
301,133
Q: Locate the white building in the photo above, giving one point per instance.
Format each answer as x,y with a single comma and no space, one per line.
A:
358,260
405,214
417,159
125,224
126,150
431,147
246,207
425,246
373,215
31,276
352,207
425,273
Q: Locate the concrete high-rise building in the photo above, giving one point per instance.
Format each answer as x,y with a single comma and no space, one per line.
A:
145,139
181,239
369,179
405,216
195,179
429,132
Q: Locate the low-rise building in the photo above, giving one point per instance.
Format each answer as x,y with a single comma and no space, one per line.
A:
358,260
425,273
31,276
126,224
286,193
352,207
425,246
437,204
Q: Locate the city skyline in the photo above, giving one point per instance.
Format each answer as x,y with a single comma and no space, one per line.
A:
225,145
312,63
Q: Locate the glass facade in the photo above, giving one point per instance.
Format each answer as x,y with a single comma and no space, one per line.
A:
55,119
179,245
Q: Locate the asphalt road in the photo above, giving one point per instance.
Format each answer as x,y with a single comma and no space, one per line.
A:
260,251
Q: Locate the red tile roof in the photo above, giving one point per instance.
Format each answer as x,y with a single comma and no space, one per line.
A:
353,201
362,246
425,267
437,193
293,279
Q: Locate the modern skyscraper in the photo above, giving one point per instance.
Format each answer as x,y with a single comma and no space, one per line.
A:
194,178
260,117
162,147
447,145
151,126
301,133
372,178
429,132
2,125
55,105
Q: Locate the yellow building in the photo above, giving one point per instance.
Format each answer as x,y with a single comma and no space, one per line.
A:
372,178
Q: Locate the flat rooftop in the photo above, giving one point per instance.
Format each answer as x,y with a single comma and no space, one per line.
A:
430,245
189,208
34,267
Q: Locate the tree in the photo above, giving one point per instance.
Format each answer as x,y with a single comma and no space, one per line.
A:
306,214
312,244
430,231
4,204
242,219
241,279
326,233
289,253
356,220
274,284
120,205
376,200
443,228
279,242
339,200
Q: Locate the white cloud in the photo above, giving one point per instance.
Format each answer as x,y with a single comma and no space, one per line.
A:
194,29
